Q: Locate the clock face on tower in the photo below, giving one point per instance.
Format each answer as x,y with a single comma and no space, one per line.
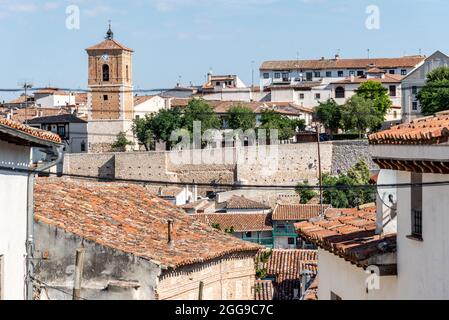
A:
105,57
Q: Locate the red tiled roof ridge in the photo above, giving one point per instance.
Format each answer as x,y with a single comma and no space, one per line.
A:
426,130
298,211
109,44
38,133
126,217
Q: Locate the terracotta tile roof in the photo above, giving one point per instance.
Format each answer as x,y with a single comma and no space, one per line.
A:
80,98
141,99
23,114
170,191
296,212
51,91
240,202
37,133
386,63
179,102
263,290
428,130
198,206
60,118
126,218
388,78
109,44
348,233
21,99
287,267
240,222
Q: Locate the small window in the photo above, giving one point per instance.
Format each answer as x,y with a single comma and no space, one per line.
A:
360,73
414,90
266,75
301,96
83,146
392,71
291,241
392,91
61,131
395,114
277,75
248,234
317,74
404,72
317,96
415,105
416,205
285,76
217,83
309,76
137,117
127,73
352,73
105,97
340,74
339,92
105,72
329,74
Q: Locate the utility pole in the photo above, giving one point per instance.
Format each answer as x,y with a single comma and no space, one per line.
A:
26,85
79,264
200,290
319,168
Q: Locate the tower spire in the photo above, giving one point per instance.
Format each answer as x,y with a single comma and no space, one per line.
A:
109,34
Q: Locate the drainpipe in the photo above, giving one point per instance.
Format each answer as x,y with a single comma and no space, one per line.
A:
56,150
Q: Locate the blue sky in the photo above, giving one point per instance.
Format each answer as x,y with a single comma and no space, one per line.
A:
187,37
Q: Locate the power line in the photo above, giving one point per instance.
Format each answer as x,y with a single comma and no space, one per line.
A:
55,288
238,186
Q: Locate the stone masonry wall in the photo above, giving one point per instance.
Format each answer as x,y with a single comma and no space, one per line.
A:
285,164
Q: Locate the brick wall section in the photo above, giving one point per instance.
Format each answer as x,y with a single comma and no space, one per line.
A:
229,278
295,162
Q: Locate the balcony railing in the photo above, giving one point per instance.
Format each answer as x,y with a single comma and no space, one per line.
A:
263,241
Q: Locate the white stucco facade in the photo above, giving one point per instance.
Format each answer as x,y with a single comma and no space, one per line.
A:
13,213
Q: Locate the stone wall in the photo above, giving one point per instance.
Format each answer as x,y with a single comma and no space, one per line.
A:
282,165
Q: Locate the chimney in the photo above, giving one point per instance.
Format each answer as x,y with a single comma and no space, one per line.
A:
195,192
170,231
337,56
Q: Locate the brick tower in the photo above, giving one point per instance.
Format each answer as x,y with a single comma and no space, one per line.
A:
110,100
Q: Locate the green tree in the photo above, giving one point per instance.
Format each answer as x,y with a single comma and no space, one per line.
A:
434,96
343,195
141,129
200,110
360,114
286,127
241,117
305,195
374,91
329,114
164,123
121,142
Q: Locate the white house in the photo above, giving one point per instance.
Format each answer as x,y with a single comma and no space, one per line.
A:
414,81
16,190
71,129
404,240
53,98
144,105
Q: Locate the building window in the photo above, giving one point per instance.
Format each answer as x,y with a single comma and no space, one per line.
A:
339,92
217,83
277,75
352,73
61,131
404,72
105,97
317,96
335,296
340,74
415,105
105,72
266,75
392,91
392,71
328,74
414,90
127,73
248,234
317,74
301,96
291,241
285,76
395,114
359,73
83,146
416,204
309,76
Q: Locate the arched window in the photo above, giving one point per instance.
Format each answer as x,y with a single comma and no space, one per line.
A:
105,72
339,92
